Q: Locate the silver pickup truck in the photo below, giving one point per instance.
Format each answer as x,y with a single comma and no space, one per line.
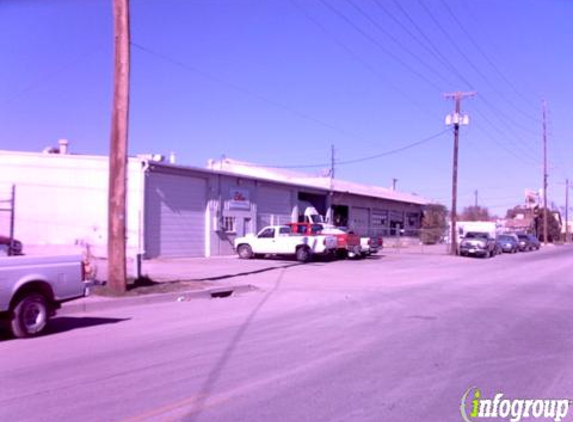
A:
33,288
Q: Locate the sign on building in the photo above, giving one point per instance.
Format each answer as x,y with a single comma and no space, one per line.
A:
239,199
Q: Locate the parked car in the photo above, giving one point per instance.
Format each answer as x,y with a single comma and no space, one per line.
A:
371,245
507,243
478,244
10,248
282,240
535,243
528,242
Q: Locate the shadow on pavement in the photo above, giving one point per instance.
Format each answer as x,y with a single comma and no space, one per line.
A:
66,323
258,271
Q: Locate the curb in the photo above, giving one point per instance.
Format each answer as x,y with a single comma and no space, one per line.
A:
182,296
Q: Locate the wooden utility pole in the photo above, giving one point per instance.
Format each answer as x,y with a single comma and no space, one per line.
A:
476,198
544,173
118,149
566,210
330,201
456,119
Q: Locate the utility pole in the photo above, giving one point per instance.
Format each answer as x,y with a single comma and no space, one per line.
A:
331,164
118,149
544,106
566,210
394,180
330,210
456,119
476,198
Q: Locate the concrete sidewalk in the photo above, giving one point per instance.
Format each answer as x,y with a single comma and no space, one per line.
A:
199,269
203,278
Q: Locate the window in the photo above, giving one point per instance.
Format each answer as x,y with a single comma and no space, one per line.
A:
413,219
284,231
379,218
229,224
266,233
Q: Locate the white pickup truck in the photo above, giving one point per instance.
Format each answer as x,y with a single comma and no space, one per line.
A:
33,288
279,240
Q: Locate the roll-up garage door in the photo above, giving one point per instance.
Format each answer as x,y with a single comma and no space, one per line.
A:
273,206
360,220
174,216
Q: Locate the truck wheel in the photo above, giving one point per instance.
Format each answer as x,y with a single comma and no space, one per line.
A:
245,252
302,254
30,316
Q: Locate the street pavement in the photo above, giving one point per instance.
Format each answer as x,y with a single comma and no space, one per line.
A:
397,337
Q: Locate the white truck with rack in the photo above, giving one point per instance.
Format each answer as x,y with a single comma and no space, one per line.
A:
280,240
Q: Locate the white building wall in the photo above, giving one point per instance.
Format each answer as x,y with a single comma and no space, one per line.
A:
61,200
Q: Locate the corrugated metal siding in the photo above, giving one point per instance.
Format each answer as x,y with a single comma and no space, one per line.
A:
274,206
360,221
175,216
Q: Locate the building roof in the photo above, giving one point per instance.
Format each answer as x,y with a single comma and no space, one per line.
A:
242,168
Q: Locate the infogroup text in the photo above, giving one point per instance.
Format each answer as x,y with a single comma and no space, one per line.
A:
475,407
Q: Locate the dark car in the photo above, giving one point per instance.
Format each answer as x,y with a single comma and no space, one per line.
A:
527,242
14,247
507,243
534,241
478,244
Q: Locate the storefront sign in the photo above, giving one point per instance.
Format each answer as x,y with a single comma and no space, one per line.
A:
239,199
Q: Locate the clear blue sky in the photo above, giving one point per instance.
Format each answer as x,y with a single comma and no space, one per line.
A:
279,81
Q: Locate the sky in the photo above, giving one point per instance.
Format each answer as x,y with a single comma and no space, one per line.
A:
279,82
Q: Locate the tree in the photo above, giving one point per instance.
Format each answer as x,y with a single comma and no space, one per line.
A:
475,213
553,226
434,224
512,212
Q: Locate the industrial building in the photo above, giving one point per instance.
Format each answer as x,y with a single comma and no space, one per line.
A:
180,211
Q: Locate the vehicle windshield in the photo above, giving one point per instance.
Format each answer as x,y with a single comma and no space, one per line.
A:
475,235
506,238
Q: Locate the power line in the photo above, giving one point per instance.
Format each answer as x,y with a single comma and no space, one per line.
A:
396,41
447,62
526,157
343,17
47,77
462,54
489,61
356,160
394,151
431,47
359,59
245,91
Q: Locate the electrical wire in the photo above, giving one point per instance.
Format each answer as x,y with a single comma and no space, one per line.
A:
356,160
394,151
363,62
246,92
396,41
49,76
489,61
381,47
462,54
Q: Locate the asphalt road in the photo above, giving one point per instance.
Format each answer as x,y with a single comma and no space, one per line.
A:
394,338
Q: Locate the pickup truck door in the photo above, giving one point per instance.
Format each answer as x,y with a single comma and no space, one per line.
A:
284,241
265,242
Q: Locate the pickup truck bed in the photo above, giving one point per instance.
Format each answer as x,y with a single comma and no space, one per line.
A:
33,288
